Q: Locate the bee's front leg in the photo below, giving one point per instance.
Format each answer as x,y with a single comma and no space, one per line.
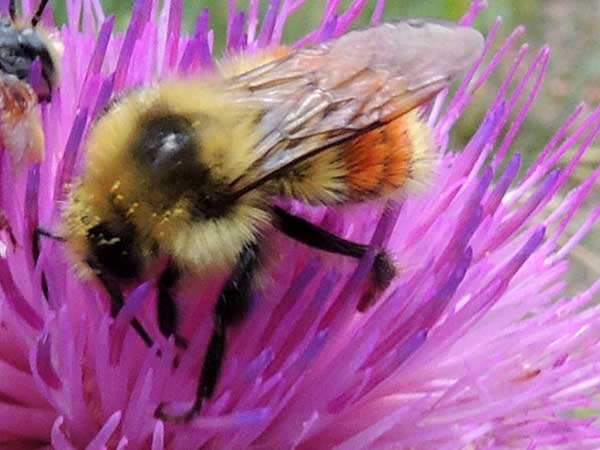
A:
116,297
117,303
167,313
231,307
382,272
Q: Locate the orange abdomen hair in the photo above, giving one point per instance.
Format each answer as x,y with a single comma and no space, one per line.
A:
391,159
379,162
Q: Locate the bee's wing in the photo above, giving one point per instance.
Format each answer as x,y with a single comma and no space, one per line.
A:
322,95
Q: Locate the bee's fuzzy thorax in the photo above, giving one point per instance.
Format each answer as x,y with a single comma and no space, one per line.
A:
225,130
215,245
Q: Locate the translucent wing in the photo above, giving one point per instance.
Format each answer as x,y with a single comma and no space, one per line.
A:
322,95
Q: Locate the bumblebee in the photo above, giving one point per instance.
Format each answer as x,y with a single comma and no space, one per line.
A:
182,174
21,43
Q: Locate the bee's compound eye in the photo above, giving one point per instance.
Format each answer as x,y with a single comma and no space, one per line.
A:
165,144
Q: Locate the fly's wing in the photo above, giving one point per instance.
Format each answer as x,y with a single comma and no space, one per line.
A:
323,95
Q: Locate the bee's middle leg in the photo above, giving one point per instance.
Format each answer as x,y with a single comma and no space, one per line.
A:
299,229
231,307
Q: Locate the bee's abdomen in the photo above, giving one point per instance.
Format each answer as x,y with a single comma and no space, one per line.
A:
381,162
388,159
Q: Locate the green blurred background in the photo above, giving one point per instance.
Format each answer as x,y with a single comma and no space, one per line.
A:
571,27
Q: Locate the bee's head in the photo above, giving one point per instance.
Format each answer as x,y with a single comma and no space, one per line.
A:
100,233
19,48
112,250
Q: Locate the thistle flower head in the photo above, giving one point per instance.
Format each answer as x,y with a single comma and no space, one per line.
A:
474,346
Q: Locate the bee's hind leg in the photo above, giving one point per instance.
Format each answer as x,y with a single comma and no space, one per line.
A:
167,313
231,307
382,272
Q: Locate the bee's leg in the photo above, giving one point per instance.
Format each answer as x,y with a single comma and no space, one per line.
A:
382,273
35,249
231,307
39,231
38,14
117,302
116,297
12,10
167,314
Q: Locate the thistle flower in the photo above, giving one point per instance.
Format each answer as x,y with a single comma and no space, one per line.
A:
473,347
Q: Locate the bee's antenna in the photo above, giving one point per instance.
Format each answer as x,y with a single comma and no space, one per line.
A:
38,14
39,231
12,10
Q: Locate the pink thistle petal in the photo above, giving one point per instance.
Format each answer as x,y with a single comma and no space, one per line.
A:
101,439
495,196
288,8
140,16
197,53
99,54
122,325
542,62
328,30
265,37
59,440
15,299
173,34
349,16
44,363
554,140
535,202
474,9
377,12
237,39
252,21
